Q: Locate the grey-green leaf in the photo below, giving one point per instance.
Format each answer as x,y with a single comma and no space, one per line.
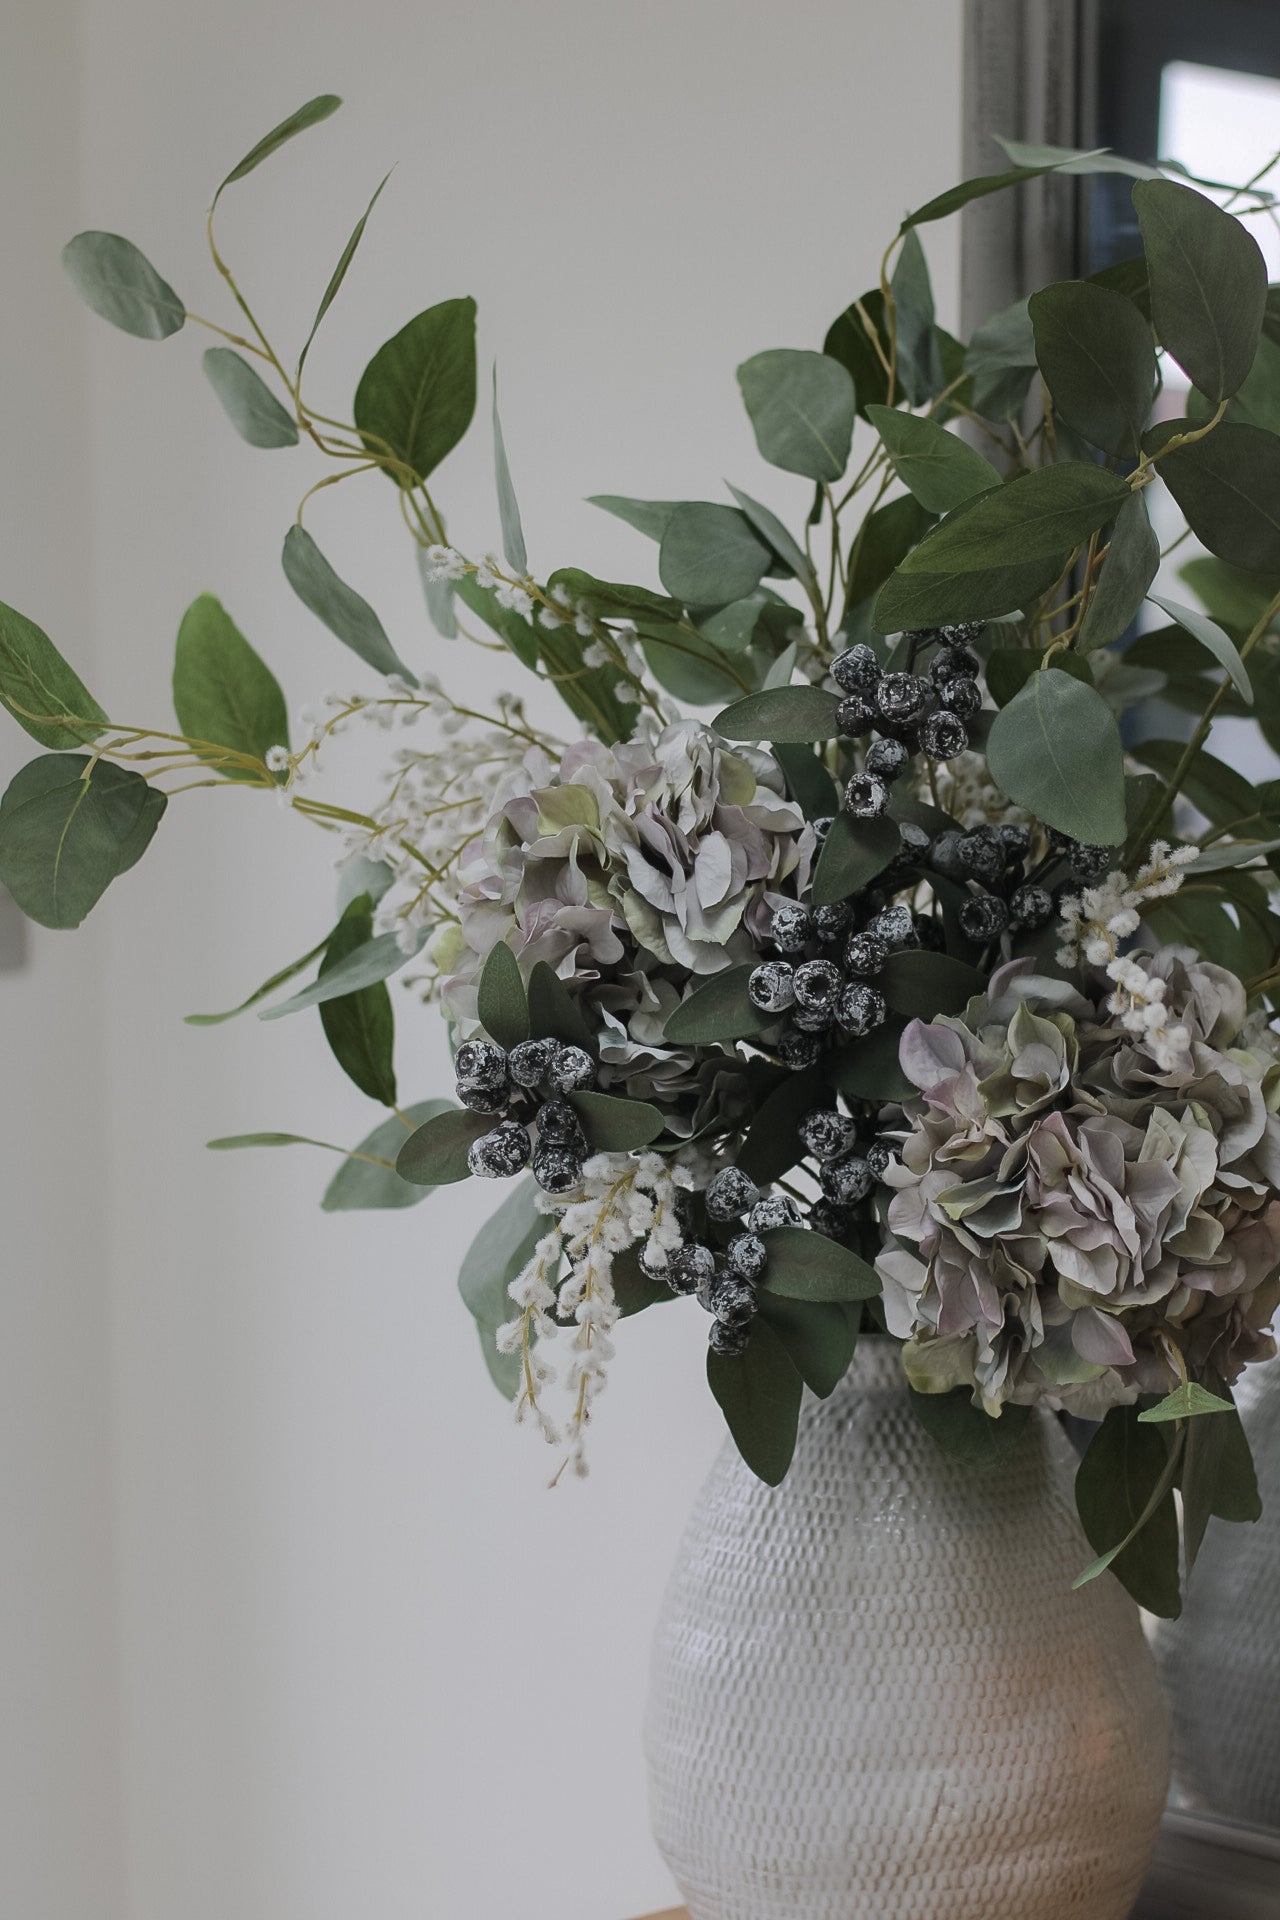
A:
802,407
616,1124
68,827
247,400
1211,638
368,1179
1228,486
1021,153
1001,362
936,466
759,1392
120,284
1037,517
336,605
804,1265
339,273
770,528
436,1154
819,1337
853,853
503,1246
554,1013
508,507
793,715
1124,1494
923,984
259,994
915,599
1098,359
40,690
1208,284
711,555
223,693
376,959
1056,750
1132,562
418,393
650,517
719,1009
359,1025
297,122
502,1003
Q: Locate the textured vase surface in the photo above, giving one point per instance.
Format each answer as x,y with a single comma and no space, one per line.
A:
1222,1658
876,1697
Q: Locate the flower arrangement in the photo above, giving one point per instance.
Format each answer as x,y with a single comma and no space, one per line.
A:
920,981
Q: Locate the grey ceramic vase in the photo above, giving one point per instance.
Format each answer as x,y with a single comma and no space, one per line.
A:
876,1697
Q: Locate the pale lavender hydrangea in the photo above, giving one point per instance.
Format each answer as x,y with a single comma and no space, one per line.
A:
1072,1203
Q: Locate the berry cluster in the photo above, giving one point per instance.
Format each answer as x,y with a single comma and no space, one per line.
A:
911,712
526,1089
725,1282
847,1172
824,982
1013,898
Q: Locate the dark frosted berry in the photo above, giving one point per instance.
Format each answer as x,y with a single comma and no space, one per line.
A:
690,1267
816,984
864,955
954,663
902,700
530,1061
913,849
962,633
887,758
847,1181
895,926
961,695
822,826
791,928
800,1050
826,1135
861,1009
484,1099
557,1166
730,1194
558,1121
828,1219
946,856
983,917
1091,864
855,716
856,670
930,933
981,854
943,735
813,1019
775,1210
747,1255
480,1063
866,796
830,922
733,1300
728,1342
771,986
1031,907
879,1156
1015,840
571,1069
501,1154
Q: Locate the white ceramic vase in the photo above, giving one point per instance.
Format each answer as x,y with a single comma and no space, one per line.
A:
876,1697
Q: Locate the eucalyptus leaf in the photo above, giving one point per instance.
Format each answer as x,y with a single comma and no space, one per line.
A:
1039,516
418,393
513,545
1124,1493
732,629
259,994
40,690
690,666
1009,669
804,1265
772,1144
122,286
439,596
759,1392
1132,562
1228,486
911,599
68,827
791,715
360,1025
435,1154
869,1069
711,555
770,528
934,465
339,273
808,782
718,1009
617,1124
1232,597
881,543
1000,361
650,517
1186,1402
802,407
918,359
501,1249
1021,153
819,1336
850,342
223,693
369,1180
922,984
337,606
1208,284
1212,638
1098,360
1039,747
554,1014
308,115
853,853
502,1004
247,400
1226,854
1217,1477
372,961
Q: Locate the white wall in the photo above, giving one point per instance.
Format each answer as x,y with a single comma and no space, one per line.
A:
367,1664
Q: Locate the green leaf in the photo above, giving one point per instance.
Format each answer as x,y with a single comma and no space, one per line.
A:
923,984
359,1026
1211,638
711,555
500,1251
719,1009
849,343
853,853
1124,1494
339,273
223,693
1232,597
792,715
1130,278
1132,562
614,599
881,543
1096,354
336,605
819,1337
650,517
1074,159
418,393
1040,515
1056,750
802,409
981,185
1009,669
919,360
964,1432
633,1288
306,116
554,1014
268,987
688,665
508,507
1228,486
234,1142
732,629
1217,1477
615,1124
869,1069
808,782
372,961
1223,854
804,1265
35,680
1185,1403
247,400
1208,284
68,827
121,285
759,1393
502,1004
1001,362
772,1144
436,1154
1257,404
369,1180
936,466
770,528
1217,791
